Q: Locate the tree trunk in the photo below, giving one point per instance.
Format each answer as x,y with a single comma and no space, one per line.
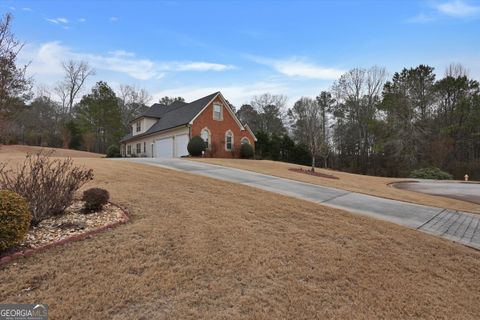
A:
313,163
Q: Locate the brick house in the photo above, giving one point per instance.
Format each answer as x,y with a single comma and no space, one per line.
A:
164,131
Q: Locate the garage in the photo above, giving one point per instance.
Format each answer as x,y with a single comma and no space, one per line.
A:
181,145
164,148
174,146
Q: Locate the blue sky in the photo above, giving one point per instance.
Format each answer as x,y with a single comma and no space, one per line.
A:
242,48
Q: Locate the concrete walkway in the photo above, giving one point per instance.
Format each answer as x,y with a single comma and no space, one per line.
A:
458,226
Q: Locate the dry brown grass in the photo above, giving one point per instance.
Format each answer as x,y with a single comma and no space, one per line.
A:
8,151
204,249
376,186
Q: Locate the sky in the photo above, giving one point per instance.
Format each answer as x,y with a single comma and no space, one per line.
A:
242,48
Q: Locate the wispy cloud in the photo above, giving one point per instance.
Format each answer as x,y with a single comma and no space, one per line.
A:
47,59
113,19
299,67
451,9
63,21
26,9
236,94
82,20
457,8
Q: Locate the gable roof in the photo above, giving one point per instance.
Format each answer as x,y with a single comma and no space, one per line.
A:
173,115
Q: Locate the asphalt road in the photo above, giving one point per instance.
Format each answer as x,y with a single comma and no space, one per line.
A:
460,227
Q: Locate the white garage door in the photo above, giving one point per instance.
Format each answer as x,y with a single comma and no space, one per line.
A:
181,145
164,148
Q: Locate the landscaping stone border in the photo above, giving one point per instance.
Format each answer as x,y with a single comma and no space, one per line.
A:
29,252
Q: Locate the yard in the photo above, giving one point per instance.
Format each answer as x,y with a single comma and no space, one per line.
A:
201,248
375,186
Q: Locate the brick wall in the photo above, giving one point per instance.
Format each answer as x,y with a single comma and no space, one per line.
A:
218,130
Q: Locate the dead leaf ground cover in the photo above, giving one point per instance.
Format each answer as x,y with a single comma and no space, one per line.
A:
205,249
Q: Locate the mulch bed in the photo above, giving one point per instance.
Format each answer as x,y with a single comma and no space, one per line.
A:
316,174
73,225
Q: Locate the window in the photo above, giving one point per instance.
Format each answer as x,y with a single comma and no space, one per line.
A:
217,112
206,137
139,148
144,147
229,140
129,149
244,140
139,126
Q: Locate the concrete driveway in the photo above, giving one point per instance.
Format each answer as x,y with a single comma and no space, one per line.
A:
456,190
458,226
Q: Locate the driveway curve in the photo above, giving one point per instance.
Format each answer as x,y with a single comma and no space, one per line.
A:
457,190
461,227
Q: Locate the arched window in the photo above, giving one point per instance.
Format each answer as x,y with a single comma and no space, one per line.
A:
205,134
229,140
245,140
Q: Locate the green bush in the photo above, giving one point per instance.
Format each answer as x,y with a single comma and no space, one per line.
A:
430,173
196,146
95,199
14,219
113,151
246,151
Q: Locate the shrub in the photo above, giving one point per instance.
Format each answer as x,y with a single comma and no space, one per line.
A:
14,219
430,173
95,199
246,151
196,146
48,185
113,151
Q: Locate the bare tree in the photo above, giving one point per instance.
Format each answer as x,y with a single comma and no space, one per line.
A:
133,103
272,112
308,125
456,70
76,72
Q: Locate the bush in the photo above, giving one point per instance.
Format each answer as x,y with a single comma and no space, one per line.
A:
113,151
246,151
196,146
14,219
95,199
430,173
48,185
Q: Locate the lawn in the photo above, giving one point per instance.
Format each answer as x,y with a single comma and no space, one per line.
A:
200,248
376,186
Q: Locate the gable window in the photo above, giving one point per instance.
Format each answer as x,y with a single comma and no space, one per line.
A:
139,126
205,134
129,149
217,112
229,140
244,140
139,148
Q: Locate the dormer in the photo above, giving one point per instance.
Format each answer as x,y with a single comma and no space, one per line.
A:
142,124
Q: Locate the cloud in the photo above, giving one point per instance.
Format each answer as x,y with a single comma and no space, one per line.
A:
47,58
297,67
236,94
421,18
82,20
457,8
113,19
63,21
26,9
202,66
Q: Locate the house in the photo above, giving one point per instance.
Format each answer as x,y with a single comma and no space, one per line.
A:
164,131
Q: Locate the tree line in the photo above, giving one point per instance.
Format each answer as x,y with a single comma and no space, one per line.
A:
367,122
